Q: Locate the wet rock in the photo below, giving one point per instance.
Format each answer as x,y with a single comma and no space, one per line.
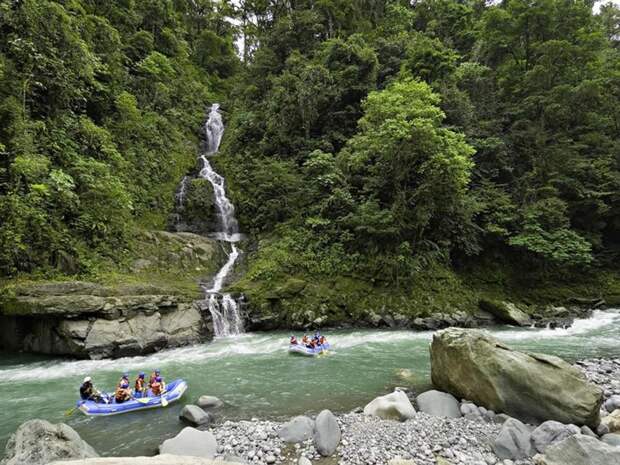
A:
194,415
471,364
394,406
551,432
513,441
39,442
579,450
612,403
506,312
209,402
439,404
299,429
326,433
191,441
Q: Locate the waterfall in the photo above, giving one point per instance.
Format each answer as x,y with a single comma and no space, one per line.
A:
223,307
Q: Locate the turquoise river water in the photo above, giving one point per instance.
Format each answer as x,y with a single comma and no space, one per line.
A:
255,377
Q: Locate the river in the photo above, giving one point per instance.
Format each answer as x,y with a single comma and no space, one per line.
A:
255,376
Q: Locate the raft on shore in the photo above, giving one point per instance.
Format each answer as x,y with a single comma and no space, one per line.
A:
300,349
174,391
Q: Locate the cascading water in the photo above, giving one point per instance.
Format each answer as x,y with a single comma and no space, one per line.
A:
224,309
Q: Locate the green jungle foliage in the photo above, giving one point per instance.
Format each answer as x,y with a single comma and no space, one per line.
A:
378,140
100,106
372,140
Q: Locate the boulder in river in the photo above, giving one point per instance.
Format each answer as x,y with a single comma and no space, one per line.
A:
209,402
165,459
194,415
394,406
190,441
471,364
299,429
513,441
551,432
579,450
326,433
39,442
438,404
506,312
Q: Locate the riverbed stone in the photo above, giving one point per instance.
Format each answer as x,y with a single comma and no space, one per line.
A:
612,403
299,429
195,415
612,421
612,439
551,432
579,450
190,441
165,459
439,404
471,364
209,402
513,441
304,461
326,433
39,442
394,406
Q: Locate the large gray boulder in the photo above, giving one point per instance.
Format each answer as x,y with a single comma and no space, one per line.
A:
190,441
471,364
579,450
299,429
394,406
194,415
166,459
39,442
506,312
438,404
551,432
513,441
326,433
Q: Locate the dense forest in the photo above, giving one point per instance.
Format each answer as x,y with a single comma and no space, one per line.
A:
389,143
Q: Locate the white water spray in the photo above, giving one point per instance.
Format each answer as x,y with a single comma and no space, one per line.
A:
224,309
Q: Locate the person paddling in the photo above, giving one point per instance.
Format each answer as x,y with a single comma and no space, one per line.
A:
88,391
158,386
154,375
139,386
293,341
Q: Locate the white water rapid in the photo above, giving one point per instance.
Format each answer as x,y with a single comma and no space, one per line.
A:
224,309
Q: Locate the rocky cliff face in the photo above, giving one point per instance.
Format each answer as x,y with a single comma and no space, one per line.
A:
87,320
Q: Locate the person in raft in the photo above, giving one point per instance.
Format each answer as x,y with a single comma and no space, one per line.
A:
140,385
158,387
88,391
122,392
294,340
154,375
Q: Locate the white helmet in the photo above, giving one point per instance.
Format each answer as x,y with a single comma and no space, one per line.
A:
87,379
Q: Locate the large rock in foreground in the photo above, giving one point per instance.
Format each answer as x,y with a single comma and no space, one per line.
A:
394,406
166,459
579,450
438,404
472,365
326,433
39,442
299,429
191,441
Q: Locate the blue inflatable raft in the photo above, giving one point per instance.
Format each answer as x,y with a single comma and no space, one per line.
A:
307,351
174,391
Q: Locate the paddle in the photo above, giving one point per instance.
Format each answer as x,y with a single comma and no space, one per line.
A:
141,400
164,401
70,412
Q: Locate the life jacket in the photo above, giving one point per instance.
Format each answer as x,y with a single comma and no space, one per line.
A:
139,386
120,395
156,388
152,378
